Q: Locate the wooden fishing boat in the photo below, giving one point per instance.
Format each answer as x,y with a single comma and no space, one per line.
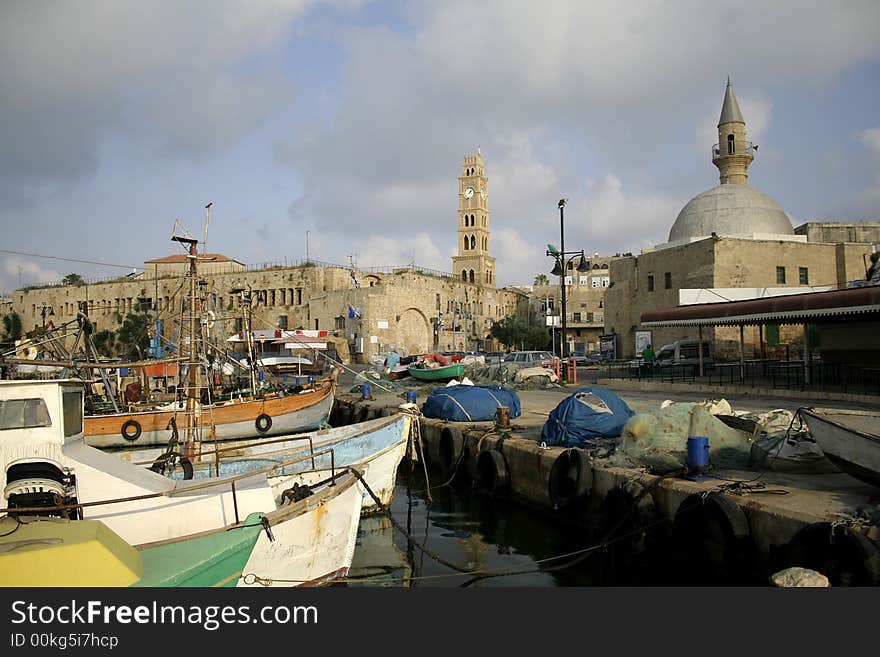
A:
41,551
47,469
375,447
446,373
270,415
850,440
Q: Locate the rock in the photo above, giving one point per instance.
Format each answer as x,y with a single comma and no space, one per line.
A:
799,577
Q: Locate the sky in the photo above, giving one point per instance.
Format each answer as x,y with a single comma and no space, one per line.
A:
336,130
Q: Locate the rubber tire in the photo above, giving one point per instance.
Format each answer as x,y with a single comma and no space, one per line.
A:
571,477
493,475
850,552
138,430
449,449
263,419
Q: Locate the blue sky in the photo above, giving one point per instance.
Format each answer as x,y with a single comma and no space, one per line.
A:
349,119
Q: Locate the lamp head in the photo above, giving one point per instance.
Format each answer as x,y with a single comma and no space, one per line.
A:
562,203
557,270
582,265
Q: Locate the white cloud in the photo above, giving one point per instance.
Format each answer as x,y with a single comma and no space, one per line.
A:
381,251
870,138
18,272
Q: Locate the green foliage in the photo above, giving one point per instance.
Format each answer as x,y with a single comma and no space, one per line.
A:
106,343
516,333
11,327
133,336
541,279
72,279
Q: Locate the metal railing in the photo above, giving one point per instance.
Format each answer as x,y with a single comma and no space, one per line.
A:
750,149
782,375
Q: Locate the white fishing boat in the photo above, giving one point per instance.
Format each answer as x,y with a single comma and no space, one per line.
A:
375,447
850,440
47,469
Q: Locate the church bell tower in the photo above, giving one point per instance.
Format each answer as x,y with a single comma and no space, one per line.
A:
473,264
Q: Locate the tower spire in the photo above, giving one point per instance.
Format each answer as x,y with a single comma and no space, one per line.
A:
732,154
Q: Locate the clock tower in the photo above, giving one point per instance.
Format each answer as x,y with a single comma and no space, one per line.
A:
473,264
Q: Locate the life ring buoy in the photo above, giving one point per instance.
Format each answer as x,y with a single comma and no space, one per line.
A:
449,449
263,423
493,476
844,556
571,477
127,426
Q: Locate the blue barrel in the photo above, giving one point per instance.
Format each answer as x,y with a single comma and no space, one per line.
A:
311,379
366,391
262,376
410,396
698,453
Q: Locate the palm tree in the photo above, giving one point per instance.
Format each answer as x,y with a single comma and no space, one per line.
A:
541,279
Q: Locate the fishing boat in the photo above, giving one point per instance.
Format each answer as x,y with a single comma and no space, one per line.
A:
46,551
271,414
48,470
850,440
252,413
442,373
375,447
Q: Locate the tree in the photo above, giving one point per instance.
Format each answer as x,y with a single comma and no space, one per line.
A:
11,327
133,336
541,280
106,343
510,331
72,279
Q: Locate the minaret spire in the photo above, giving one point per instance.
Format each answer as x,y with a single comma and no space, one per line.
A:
732,154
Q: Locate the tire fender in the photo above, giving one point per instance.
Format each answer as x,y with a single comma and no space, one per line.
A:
493,475
131,430
571,477
263,423
449,448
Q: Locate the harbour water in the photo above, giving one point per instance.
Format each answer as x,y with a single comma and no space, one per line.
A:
478,533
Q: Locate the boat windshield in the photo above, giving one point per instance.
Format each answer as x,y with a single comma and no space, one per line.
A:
23,414
73,412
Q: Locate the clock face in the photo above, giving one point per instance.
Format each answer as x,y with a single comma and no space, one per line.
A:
469,192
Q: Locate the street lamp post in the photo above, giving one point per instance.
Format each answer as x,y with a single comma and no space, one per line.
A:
561,267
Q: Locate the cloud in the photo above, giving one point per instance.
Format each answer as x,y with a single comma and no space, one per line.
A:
381,251
28,272
870,138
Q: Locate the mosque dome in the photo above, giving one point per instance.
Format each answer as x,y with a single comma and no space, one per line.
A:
730,210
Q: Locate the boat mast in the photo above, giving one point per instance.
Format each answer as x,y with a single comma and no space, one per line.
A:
193,361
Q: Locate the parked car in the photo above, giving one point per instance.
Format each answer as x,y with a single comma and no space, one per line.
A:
683,352
579,358
494,356
533,358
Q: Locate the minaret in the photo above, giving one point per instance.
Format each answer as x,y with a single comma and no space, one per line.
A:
473,264
732,154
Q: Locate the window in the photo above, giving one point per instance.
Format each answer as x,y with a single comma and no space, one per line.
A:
730,149
299,296
340,322
597,282
568,280
583,280
606,281
24,413
667,280
780,275
650,282
472,275
577,317
473,242
282,322
464,278
466,242
72,403
803,276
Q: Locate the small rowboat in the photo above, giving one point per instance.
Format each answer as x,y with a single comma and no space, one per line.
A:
850,440
436,373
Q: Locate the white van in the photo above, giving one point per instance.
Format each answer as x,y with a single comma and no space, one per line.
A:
683,352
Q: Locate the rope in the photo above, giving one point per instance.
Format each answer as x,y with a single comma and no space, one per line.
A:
415,436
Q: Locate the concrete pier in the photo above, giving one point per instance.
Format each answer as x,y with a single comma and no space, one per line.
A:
787,520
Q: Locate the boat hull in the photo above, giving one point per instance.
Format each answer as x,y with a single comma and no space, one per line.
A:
847,440
234,419
436,373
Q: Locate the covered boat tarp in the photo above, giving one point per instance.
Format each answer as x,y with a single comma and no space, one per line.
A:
585,416
463,403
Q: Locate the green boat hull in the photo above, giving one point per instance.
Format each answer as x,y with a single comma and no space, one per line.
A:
214,560
437,373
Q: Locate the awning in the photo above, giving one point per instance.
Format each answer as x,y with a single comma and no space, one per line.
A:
790,309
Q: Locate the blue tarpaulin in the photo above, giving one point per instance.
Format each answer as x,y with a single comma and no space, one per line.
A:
588,414
470,403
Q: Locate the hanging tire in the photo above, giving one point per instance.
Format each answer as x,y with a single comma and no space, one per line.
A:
844,556
131,430
263,423
492,473
449,449
187,467
712,534
627,515
571,477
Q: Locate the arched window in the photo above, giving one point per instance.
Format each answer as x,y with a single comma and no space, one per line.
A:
485,244
473,242
472,275
472,221
730,148
466,242
464,275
